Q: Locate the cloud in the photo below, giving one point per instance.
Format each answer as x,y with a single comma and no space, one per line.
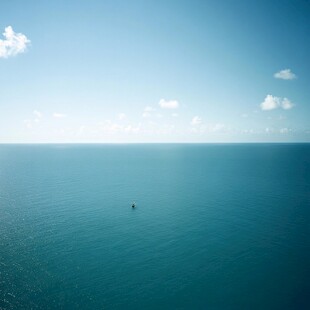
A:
149,109
217,127
174,114
168,104
284,130
13,44
59,115
121,116
196,120
37,113
132,129
81,130
110,127
147,112
286,104
272,102
286,74
28,123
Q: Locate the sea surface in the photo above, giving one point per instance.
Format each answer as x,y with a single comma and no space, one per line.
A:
216,226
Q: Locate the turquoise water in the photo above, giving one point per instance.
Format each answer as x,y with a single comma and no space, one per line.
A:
215,227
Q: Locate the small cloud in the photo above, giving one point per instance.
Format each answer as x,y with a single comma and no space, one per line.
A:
286,104
196,120
121,116
174,114
37,113
59,115
28,123
272,102
284,130
247,131
149,109
286,74
168,104
146,114
132,129
81,130
217,127
13,44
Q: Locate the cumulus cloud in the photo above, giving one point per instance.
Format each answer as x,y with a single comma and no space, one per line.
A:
286,104
168,104
13,44
59,115
121,116
272,102
196,120
285,74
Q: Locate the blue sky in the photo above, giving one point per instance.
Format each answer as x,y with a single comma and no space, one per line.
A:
154,71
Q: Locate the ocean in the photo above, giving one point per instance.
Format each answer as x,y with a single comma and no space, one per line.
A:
216,226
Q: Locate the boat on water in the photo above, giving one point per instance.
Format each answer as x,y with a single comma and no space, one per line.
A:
133,205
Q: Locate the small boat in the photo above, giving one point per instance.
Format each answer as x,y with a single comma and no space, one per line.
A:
133,205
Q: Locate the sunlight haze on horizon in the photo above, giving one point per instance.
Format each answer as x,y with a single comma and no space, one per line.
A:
154,71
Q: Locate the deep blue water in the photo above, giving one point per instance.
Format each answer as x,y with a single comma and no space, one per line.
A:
215,227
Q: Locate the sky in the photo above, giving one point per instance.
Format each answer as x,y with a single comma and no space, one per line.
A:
154,71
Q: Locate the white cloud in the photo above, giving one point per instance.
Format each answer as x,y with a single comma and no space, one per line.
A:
174,114
81,130
147,112
59,115
28,123
196,120
284,130
168,104
13,44
121,116
286,74
132,129
272,102
149,109
217,127
286,104
37,113
110,127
